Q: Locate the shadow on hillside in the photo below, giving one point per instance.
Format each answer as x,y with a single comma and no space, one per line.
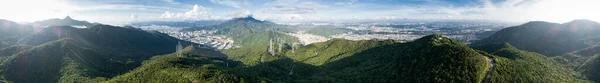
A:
283,70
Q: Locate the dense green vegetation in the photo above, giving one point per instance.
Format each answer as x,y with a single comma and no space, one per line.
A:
101,53
68,54
120,40
570,46
433,59
585,61
429,59
193,67
7,51
514,65
63,60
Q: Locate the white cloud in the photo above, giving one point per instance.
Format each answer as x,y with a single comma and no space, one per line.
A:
286,18
231,3
133,16
240,14
173,2
524,10
294,8
349,2
197,13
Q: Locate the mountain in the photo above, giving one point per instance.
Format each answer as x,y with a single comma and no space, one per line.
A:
514,65
242,30
68,54
63,60
179,23
570,48
198,65
110,38
550,39
429,59
11,32
67,21
432,58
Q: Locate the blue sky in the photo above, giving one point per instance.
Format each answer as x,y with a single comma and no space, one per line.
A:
125,11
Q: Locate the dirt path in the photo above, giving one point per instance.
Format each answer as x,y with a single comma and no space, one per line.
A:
490,71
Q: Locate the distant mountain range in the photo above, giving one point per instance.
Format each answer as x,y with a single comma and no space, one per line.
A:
67,21
179,24
532,52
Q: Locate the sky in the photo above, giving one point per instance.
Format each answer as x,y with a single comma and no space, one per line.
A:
120,12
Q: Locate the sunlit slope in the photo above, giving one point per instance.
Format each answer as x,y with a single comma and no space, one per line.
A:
332,50
256,50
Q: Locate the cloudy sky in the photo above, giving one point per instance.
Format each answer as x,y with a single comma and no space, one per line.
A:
125,11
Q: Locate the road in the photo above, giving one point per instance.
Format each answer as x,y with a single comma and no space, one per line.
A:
490,70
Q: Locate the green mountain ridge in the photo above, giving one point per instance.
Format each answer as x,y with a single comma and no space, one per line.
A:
93,54
514,65
67,21
435,59
243,30
546,38
532,52
568,50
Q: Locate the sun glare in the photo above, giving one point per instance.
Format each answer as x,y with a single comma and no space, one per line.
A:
33,10
566,10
